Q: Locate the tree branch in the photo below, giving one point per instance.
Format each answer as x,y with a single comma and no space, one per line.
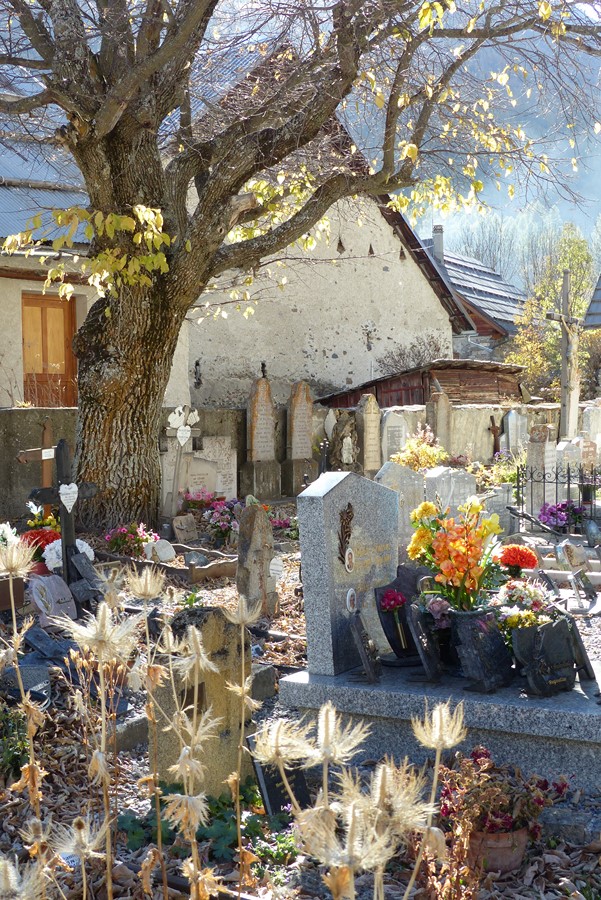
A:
35,30
185,38
26,104
23,62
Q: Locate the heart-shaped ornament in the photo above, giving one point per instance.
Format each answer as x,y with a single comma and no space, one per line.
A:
193,417
183,434
68,494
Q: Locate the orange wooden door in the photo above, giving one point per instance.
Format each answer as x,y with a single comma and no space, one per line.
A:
48,361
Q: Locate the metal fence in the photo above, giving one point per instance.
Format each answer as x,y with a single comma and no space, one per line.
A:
566,491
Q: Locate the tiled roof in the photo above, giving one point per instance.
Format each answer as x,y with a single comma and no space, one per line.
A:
592,318
481,287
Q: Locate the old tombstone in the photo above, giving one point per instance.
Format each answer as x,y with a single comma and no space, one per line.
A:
254,579
221,640
394,432
201,473
496,500
589,454
66,494
409,486
260,475
185,528
367,418
515,426
344,445
439,417
218,449
568,454
348,538
541,461
452,486
161,551
51,596
299,441
591,426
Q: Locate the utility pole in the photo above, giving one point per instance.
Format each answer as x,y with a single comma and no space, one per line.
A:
570,376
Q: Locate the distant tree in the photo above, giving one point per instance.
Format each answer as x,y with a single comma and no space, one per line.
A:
596,247
537,345
208,134
418,353
492,239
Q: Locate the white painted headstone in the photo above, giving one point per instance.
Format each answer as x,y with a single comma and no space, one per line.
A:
395,432
515,426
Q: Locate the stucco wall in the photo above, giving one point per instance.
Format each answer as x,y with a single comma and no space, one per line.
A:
344,306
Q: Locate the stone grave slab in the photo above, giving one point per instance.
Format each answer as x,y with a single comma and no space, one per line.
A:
84,566
299,443
202,473
394,433
541,459
515,426
51,596
261,473
453,486
409,486
367,419
348,540
255,555
185,528
218,449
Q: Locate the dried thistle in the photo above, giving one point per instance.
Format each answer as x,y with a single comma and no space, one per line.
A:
203,883
195,660
98,769
396,791
31,779
244,614
187,766
361,848
243,692
146,585
186,812
338,882
79,839
335,743
441,729
152,858
36,836
282,742
106,637
16,559
27,884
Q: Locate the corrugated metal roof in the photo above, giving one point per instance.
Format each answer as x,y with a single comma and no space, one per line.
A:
37,161
18,205
592,318
484,288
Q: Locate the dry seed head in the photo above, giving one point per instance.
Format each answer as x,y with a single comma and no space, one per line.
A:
204,883
362,847
103,634
397,792
195,660
282,742
28,884
250,704
16,559
441,729
31,779
146,585
79,839
338,881
98,768
245,614
206,727
335,743
187,766
186,813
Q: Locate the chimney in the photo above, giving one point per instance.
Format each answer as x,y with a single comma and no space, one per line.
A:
438,243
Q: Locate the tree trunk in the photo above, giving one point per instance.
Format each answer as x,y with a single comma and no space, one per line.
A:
124,364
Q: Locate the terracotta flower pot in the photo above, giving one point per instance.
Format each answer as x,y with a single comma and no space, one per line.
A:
498,852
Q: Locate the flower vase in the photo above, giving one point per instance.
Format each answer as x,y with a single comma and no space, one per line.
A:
485,658
499,851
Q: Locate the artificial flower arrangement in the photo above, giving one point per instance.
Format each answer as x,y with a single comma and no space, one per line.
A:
200,498
391,602
561,515
39,520
8,534
515,557
129,540
521,604
53,553
479,795
40,538
221,520
458,550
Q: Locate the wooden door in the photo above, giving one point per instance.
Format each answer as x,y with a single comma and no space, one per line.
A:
48,361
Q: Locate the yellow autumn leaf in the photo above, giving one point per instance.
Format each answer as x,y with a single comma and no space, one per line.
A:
410,150
544,10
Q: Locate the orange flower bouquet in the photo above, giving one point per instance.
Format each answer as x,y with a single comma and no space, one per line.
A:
459,550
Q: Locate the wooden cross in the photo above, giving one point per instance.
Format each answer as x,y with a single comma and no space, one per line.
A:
43,454
84,490
495,430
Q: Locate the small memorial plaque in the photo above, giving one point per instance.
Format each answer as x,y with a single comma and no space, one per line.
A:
273,793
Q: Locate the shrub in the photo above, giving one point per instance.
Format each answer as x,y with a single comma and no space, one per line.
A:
421,451
129,540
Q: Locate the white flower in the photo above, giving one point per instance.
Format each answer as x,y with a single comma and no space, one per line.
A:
53,553
8,535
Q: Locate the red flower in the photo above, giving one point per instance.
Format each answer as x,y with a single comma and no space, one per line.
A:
392,600
515,556
40,538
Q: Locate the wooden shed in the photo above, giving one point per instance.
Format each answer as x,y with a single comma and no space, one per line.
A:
463,380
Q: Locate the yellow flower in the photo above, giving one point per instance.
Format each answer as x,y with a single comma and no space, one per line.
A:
424,510
418,543
490,526
471,507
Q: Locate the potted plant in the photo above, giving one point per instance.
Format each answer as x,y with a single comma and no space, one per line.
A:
493,809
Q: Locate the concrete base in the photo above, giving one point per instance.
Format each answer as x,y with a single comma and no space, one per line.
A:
293,472
261,479
548,736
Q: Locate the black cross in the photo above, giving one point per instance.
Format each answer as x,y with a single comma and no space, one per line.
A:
85,490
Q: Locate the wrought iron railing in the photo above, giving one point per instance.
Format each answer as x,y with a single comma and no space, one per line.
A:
576,486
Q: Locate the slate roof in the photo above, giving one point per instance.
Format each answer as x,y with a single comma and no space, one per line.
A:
481,287
592,318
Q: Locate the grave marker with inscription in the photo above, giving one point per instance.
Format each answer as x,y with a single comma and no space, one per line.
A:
299,444
218,449
348,538
367,420
260,475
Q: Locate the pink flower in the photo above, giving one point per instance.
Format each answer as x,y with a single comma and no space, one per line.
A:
392,600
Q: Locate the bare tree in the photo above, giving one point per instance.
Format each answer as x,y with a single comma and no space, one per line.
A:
419,352
493,240
204,109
